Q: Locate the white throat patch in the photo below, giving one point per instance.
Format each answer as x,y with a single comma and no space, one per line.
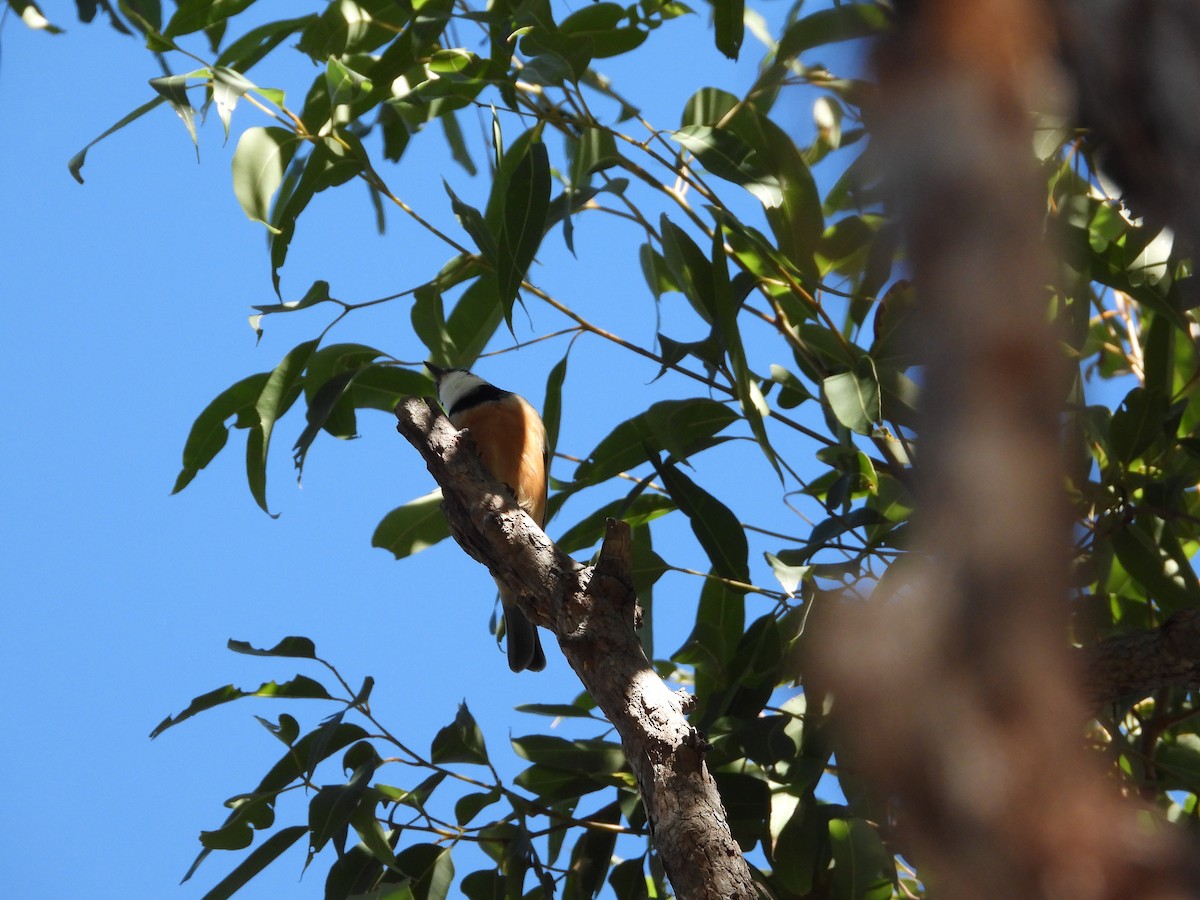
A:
455,385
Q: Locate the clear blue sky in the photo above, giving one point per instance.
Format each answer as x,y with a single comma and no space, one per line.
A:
125,313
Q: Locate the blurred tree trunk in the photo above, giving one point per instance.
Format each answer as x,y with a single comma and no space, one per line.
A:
960,700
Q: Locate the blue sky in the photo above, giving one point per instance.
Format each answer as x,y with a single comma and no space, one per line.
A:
125,313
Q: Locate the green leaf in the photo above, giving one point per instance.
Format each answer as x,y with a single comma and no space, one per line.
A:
280,391
556,710
720,623
228,86
343,83
628,880
747,802
412,527
209,432
256,43
827,26
461,741
473,224
552,406
801,850
1157,563
659,277
261,857
300,687
473,321
789,577
680,427
592,856
792,390
287,730
728,298
551,785
309,752
526,205
458,146
431,867
729,26
470,805
645,507
715,526
330,810
320,407
595,151
589,756
261,158
862,866
1136,423
485,884
197,15
289,647
854,397
727,156
690,266
173,89
75,164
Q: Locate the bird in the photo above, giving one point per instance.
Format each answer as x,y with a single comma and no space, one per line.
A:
511,441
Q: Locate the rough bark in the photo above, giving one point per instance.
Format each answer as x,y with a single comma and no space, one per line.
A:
1140,663
591,611
959,700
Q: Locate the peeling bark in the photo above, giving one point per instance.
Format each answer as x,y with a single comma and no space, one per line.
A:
591,611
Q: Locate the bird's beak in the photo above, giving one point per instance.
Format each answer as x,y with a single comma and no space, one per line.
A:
436,371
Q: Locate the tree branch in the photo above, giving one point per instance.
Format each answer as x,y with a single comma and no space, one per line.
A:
591,610
1145,661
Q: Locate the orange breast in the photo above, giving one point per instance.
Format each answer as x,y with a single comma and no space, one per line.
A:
512,444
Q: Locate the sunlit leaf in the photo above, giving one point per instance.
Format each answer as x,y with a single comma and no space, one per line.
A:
411,528
261,157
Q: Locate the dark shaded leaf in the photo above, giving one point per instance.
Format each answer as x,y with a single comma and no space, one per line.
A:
261,857
526,205
592,856
461,741
1136,423
209,432
330,810
173,89
715,526
289,647
679,427
646,507
591,757
300,687
729,26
